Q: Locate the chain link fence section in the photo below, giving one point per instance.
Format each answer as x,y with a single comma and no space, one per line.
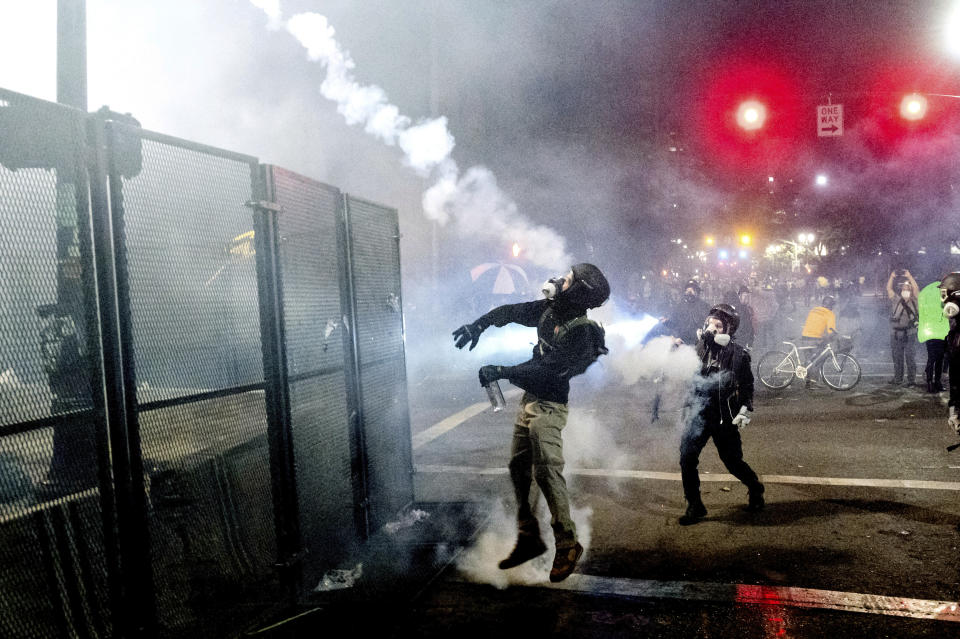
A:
317,340
374,248
54,579
199,381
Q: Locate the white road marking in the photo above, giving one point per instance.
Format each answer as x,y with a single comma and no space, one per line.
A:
708,477
425,437
762,595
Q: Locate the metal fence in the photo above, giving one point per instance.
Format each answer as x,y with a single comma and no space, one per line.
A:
203,401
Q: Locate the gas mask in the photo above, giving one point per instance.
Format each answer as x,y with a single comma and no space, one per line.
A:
689,298
552,287
711,334
950,309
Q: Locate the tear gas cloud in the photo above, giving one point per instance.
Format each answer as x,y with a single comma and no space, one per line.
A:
478,563
480,208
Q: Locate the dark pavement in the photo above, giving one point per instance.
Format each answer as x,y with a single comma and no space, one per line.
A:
860,531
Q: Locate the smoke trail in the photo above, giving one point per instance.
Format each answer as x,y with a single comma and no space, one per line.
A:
479,562
473,199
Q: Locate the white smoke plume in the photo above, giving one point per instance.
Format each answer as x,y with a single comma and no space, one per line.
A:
473,199
479,562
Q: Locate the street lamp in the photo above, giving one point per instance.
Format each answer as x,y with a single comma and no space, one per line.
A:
821,180
951,31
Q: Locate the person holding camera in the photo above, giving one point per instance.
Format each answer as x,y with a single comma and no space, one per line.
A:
902,291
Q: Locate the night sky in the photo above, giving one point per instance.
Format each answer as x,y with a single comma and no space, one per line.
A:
573,106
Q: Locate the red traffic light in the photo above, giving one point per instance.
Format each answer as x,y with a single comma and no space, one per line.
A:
913,107
751,115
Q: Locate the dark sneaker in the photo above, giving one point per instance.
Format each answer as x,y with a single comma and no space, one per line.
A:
895,382
526,549
565,561
695,512
755,502
938,387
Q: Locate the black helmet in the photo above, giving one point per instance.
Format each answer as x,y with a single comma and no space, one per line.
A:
829,302
589,289
694,284
950,283
744,289
950,292
728,315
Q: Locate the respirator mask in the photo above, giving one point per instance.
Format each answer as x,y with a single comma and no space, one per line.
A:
552,287
950,309
710,333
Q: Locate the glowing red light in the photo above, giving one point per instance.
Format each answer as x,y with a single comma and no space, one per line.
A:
751,115
913,106
747,114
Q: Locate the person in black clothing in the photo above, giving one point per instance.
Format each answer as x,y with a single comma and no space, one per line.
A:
748,329
950,301
684,318
569,342
740,301
722,403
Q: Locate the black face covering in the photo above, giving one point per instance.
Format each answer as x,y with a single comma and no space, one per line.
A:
690,298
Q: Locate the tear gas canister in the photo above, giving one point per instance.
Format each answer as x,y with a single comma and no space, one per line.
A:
495,395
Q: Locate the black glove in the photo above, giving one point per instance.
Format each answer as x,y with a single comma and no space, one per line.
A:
468,333
490,373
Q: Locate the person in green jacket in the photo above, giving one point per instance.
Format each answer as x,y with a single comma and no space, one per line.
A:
932,332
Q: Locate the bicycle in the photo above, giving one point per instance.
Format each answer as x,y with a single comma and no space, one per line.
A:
838,368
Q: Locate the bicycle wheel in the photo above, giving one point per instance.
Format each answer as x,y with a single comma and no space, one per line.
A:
776,370
840,372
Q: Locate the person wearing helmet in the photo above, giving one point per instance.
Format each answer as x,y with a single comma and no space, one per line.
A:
569,343
820,325
950,302
902,291
721,405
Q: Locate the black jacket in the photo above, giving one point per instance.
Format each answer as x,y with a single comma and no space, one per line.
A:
684,320
953,359
547,374
728,386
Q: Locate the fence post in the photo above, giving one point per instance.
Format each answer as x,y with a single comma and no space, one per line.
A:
351,350
134,611
286,508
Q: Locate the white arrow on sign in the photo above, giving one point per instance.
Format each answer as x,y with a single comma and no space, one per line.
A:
829,120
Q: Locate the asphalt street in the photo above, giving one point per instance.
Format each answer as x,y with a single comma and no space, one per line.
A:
859,537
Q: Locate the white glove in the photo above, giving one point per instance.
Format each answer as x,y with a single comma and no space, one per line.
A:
954,419
742,418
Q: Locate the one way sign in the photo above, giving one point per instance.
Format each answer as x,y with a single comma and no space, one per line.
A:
829,120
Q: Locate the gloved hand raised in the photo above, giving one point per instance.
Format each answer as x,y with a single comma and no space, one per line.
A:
489,374
954,419
742,418
468,333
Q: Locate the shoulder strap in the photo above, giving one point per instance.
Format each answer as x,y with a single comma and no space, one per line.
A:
576,322
583,320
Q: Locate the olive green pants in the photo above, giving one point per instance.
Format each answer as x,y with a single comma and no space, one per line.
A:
537,453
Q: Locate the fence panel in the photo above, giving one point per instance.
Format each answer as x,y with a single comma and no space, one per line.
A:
316,368
186,378
54,578
374,250
199,379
